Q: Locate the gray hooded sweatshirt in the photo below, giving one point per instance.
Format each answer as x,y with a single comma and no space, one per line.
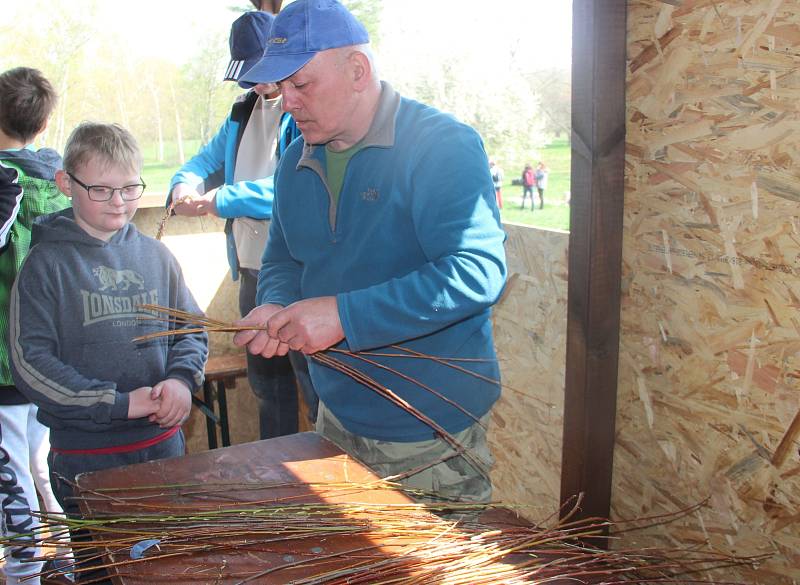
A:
72,322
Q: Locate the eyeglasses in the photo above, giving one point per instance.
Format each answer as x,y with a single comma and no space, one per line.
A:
105,193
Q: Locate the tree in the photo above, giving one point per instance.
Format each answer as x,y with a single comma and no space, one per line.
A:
553,88
369,12
203,92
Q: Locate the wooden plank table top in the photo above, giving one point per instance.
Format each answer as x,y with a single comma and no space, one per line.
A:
300,465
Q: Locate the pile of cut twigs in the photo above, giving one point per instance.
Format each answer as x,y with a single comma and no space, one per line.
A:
395,543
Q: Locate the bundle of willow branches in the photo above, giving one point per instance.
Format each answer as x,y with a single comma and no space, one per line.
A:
182,323
396,543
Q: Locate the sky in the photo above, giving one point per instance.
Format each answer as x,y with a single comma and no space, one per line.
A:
539,29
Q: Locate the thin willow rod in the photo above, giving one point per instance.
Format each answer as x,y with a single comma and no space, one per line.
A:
390,565
372,384
304,563
245,485
180,490
453,403
604,571
370,577
186,549
262,514
576,506
660,519
444,361
173,313
177,316
184,317
242,516
168,213
385,572
421,356
139,533
215,326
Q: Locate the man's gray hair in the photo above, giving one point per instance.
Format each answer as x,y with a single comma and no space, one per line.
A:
365,49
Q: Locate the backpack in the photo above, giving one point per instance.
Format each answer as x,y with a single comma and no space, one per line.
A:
528,178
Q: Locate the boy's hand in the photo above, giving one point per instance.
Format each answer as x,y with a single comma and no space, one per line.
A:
141,404
176,402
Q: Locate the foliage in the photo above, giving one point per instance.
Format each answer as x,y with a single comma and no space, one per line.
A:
97,77
369,13
553,89
203,92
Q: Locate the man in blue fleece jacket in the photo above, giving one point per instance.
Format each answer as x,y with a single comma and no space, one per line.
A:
386,240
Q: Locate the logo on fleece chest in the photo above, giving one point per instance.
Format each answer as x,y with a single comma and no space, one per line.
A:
370,194
111,298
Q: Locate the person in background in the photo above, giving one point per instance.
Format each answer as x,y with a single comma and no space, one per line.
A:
528,183
108,400
541,182
239,162
386,239
497,180
27,181
271,6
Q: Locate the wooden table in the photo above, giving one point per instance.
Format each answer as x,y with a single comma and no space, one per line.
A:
294,461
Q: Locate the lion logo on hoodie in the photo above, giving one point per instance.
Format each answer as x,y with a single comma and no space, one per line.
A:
117,279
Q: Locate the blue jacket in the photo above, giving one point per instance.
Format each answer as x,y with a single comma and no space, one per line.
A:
214,165
413,252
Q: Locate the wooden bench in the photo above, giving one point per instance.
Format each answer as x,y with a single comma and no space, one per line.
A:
221,371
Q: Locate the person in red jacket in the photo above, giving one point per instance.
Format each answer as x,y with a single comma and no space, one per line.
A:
528,183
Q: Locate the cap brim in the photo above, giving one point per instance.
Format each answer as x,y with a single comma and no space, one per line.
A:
237,67
273,68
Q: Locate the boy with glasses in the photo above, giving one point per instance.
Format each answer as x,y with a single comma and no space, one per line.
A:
27,176
109,401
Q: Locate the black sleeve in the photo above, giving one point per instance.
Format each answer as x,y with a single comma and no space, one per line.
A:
10,198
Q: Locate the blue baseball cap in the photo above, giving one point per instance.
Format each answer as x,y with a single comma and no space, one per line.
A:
248,41
300,31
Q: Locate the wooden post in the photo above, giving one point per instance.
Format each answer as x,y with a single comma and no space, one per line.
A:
595,253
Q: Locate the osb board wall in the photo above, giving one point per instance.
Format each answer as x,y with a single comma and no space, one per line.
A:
199,245
530,329
710,335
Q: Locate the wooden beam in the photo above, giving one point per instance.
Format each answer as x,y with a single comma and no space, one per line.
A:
595,253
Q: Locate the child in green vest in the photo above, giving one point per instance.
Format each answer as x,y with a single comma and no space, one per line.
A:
26,101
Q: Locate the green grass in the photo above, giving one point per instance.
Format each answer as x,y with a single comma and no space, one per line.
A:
555,214
551,217
157,174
